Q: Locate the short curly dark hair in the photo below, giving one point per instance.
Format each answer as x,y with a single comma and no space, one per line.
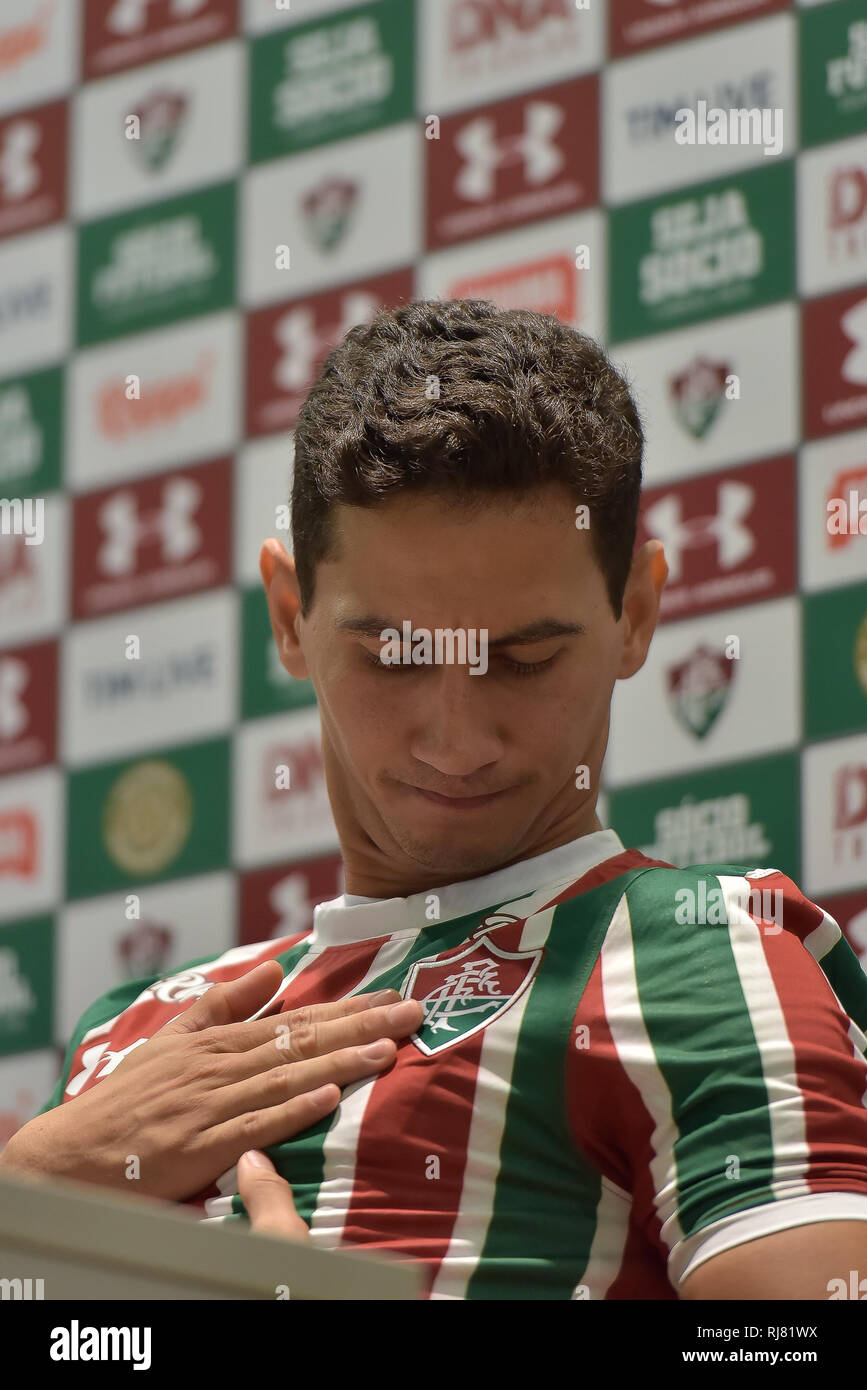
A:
520,401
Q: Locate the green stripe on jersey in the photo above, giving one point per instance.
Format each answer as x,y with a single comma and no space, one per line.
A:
544,1210
693,1006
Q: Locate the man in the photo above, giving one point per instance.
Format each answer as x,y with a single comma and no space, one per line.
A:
587,1095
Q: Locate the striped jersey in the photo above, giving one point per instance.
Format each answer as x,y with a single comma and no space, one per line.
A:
623,1069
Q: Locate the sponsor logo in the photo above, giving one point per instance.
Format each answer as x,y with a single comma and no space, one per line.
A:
725,529
697,394
718,830
728,540
125,33
484,152
728,98
327,211
835,363
859,655
302,345
18,843
329,70
845,505
154,260
463,993
854,325
17,999
288,343
846,74
849,817
700,244
28,696
151,540
846,214
473,23
698,689
161,121
517,161
20,435
24,41
147,817
164,401
548,285
643,23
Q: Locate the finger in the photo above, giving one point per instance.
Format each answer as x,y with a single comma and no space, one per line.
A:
268,1198
273,1085
231,1000
297,1039
252,1033
261,1128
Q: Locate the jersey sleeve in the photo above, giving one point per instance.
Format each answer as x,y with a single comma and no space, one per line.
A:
725,1082
108,1006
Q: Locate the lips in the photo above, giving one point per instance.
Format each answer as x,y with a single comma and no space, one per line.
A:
458,802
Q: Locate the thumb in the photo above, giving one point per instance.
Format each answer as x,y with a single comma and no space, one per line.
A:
268,1198
232,1001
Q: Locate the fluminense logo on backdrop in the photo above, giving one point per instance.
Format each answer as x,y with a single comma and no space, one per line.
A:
161,118
327,211
697,394
698,689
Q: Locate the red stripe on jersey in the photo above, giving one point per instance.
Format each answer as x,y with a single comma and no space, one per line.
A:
415,1112
597,1088
831,1078
606,871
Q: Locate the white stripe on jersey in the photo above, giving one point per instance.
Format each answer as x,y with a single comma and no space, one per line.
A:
496,1062
340,1148
638,1060
613,1211
785,1099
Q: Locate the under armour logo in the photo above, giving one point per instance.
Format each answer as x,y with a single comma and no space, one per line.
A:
172,524
14,679
128,16
485,152
19,171
734,540
854,325
303,344
290,899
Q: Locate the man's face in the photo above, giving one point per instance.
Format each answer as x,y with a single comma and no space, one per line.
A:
436,773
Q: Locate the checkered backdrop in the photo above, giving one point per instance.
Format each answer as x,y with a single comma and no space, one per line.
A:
197,198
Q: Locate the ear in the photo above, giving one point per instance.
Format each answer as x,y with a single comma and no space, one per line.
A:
641,605
284,605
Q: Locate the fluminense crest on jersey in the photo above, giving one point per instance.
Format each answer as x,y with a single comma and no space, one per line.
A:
465,992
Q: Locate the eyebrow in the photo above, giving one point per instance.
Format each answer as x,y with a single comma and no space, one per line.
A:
539,631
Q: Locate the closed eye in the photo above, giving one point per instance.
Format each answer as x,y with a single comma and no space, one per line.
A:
518,668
